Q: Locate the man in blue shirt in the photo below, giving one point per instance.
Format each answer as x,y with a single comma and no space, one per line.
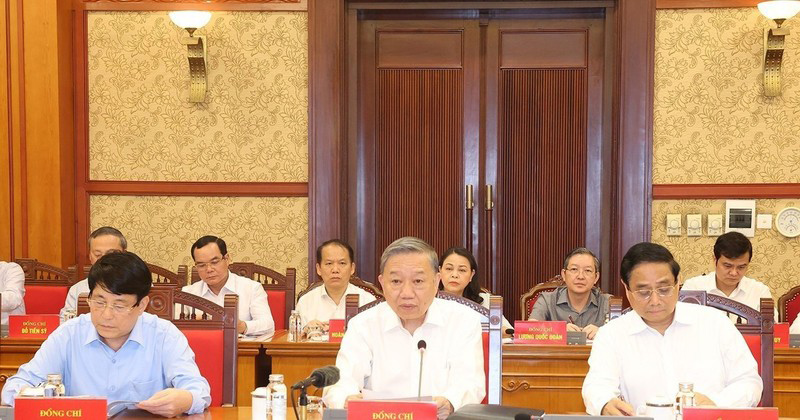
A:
118,351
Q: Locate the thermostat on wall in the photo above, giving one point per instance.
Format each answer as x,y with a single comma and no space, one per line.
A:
740,216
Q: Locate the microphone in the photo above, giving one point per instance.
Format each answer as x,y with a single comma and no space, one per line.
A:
322,377
510,331
421,346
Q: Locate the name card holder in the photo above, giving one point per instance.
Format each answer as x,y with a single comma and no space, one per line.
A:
714,413
335,330
390,410
32,326
794,340
540,332
37,408
781,334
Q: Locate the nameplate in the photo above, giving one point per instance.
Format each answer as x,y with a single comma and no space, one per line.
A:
35,408
335,330
794,340
714,413
576,338
31,326
540,332
781,334
390,410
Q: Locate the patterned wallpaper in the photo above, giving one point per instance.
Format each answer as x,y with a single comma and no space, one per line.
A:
775,257
253,125
712,123
268,231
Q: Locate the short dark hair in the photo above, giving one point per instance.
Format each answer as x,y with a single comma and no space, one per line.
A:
645,252
108,230
473,289
121,273
337,242
205,240
733,245
582,251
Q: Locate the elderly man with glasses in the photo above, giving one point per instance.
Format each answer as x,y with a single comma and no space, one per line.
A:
578,302
211,260
118,351
661,342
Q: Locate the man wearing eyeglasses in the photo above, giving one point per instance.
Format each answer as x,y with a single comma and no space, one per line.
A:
211,260
118,351
661,342
582,305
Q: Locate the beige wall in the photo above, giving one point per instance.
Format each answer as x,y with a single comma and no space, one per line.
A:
714,126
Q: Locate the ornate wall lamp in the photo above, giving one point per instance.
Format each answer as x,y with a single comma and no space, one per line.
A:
779,11
192,20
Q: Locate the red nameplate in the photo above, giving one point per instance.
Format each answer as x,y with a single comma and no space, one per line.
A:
33,408
400,410
335,330
31,326
781,332
540,332
714,413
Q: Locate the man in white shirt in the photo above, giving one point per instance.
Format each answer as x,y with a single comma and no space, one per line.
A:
102,241
795,327
211,259
335,265
379,356
732,255
12,288
661,342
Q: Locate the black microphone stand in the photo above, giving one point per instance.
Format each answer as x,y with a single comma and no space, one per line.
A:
303,404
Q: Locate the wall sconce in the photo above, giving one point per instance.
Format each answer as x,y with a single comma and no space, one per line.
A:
778,11
192,20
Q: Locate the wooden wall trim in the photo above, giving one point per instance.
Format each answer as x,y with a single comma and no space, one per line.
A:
723,191
228,5
463,5
202,189
20,160
700,4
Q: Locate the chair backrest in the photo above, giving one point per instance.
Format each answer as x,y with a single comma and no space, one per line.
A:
527,300
355,281
492,337
161,276
210,330
614,307
46,286
789,305
280,288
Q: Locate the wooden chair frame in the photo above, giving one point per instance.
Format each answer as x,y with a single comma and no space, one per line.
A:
161,276
41,274
783,303
534,292
371,288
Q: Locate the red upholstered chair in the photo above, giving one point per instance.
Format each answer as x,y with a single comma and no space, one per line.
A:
280,288
789,305
355,281
527,300
210,330
492,336
46,286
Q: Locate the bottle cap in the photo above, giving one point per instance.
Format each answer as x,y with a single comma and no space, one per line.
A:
685,386
53,377
276,377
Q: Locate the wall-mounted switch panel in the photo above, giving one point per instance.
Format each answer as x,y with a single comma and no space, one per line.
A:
694,225
673,225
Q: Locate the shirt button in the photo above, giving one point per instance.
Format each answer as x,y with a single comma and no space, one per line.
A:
112,387
113,360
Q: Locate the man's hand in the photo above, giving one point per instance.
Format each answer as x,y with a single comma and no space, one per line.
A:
351,398
617,407
573,327
700,399
241,327
590,331
170,402
443,407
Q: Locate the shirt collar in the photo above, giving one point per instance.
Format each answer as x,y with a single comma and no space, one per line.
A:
434,316
682,316
230,285
137,335
563,297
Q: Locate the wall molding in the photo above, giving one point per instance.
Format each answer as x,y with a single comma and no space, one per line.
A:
699,4
200,189
154,5
705,191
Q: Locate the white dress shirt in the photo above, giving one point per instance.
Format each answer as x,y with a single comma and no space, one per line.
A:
701,346
72,295
378,354
253,304
748,292
795,327
317,305
12,287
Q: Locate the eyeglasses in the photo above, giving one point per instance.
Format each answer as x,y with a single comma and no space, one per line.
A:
588,272
100,305
644,295
213,263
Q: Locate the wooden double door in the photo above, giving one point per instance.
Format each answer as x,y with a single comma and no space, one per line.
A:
485,131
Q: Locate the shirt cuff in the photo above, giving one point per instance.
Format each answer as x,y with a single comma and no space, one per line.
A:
199,403
597,402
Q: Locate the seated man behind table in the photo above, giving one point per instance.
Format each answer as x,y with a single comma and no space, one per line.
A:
661,342
12,288
118,351
211,259
582,305
732,255
102,241
379,350
335,265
